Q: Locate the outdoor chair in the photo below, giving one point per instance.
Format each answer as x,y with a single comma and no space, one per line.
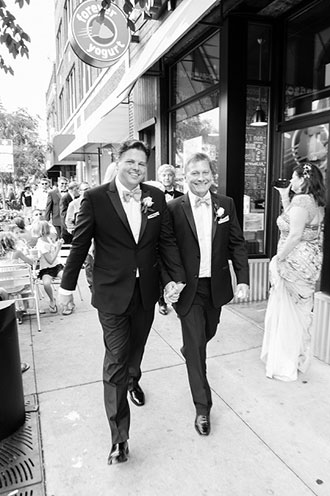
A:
15,275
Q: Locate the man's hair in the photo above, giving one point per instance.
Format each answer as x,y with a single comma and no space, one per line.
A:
73,185
199,157
134,144
166,168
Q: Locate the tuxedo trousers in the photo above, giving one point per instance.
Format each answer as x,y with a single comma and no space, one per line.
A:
199,326
124,339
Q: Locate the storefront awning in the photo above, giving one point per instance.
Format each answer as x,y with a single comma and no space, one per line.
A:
100,128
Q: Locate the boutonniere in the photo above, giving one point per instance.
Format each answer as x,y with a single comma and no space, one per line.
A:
146,204
218,212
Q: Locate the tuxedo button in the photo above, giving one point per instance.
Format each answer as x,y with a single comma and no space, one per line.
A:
195,276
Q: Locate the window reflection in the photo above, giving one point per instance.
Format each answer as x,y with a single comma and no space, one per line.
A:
307,144
308,63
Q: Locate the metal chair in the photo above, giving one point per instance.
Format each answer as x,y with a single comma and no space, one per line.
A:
13,276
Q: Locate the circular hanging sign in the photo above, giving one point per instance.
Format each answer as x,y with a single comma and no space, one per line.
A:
99,42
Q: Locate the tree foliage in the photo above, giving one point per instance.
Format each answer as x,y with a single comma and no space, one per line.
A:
12,37
128,7
29,152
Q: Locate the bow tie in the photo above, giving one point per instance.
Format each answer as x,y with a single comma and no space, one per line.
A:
169,192
199,201
135,194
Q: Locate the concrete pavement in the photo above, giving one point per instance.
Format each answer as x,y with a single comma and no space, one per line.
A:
268,438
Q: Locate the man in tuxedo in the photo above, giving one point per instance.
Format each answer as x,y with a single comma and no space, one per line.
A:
130,225
52,212
208,234
166,176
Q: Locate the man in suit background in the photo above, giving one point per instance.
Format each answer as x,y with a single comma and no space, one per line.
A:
130,225
52,212
208,234
72,193
166,177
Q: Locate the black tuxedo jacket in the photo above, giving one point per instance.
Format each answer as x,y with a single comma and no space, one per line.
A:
117,255
227,243
64,203
53,207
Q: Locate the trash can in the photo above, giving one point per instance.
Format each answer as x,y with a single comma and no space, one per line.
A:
12,408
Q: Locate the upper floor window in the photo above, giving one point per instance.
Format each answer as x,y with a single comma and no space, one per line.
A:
71,91
307,82
59,45
197,71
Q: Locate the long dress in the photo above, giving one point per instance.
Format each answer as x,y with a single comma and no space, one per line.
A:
286,345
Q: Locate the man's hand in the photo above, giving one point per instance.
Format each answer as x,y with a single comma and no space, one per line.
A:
172,291
242,291
65,301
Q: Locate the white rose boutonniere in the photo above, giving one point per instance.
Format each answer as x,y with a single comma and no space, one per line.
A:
220,212
146,204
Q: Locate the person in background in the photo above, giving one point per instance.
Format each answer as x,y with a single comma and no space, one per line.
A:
110,173
129,223
74,206
26,202
52,212
40,196
49,263
208,234
23,234
73,192
294,272
166,177
71,220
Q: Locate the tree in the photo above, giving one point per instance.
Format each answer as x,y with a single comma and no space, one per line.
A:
12,36
29,151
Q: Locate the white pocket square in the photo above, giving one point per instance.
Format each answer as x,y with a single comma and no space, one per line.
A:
153,215
224,219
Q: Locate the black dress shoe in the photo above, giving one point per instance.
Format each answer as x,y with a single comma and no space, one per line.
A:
137,395
118,453
202,425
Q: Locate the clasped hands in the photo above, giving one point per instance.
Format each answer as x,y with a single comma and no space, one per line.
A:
172,291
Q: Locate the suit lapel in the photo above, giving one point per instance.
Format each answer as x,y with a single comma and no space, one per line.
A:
215,207
144,216
188,213
116,202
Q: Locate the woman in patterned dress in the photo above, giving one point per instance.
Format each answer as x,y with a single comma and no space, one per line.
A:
294,272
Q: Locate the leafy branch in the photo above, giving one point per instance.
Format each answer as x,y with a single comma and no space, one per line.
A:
129,6
12,36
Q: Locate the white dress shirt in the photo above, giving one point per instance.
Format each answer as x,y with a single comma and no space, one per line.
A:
203,218
132,209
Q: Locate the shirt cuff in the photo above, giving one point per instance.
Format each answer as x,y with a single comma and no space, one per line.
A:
65,292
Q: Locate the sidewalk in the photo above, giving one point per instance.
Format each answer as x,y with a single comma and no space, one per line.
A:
267,438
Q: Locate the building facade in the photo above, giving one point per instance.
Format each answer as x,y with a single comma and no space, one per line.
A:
246,81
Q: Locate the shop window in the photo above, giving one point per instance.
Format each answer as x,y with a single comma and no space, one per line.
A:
256,138
197,71
307,76
196,130
194,117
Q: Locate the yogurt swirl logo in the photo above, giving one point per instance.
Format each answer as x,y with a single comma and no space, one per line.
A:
99,42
